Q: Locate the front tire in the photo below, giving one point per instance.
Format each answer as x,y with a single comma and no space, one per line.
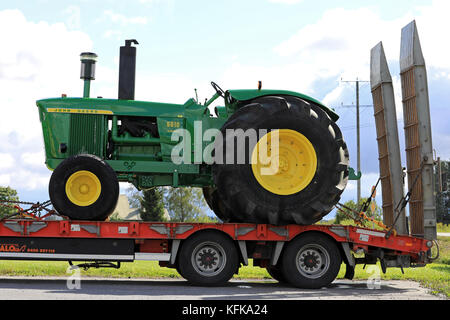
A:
83,187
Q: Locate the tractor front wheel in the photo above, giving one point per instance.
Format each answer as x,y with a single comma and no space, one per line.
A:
83,187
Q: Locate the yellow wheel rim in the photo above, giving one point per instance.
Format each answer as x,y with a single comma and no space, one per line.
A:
83,188
285,169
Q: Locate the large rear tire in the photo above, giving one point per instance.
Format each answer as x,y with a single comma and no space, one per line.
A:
312,172
83,187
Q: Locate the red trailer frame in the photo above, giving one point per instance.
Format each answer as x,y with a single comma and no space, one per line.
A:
103,243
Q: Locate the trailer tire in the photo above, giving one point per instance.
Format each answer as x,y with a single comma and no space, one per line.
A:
208,259
311,261
84,187
177,267
277,274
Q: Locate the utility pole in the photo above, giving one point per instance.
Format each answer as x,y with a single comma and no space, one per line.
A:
358,136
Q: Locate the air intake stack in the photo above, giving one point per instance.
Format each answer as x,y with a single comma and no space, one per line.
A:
88,60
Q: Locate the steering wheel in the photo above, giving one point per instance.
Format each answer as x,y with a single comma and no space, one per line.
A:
218,89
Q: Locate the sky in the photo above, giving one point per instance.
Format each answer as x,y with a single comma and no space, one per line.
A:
307,46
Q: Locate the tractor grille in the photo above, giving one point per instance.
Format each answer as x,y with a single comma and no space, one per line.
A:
87,134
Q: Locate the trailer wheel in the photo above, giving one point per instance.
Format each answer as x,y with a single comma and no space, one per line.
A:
177,267
208,259
83,187
276,273
311,261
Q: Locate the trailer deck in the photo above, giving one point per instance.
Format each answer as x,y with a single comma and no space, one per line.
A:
115,242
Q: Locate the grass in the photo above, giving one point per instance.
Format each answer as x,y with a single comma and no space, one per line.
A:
443,228
435,276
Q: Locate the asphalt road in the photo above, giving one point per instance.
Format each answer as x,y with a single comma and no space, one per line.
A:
17,288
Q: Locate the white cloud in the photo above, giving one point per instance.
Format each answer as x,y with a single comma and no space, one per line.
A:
5,180
34,159
331,48
24,179
339,42
122,19
333,97
6,161
274,77
286,1
153,2
73,20
41,61
368,181
116,34
334,46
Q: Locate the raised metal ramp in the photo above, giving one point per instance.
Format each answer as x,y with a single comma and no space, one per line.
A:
391,172
418,137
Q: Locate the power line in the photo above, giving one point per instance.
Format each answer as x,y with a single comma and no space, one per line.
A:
358,134
353,106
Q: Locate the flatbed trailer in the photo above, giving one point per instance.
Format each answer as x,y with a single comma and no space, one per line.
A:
210,254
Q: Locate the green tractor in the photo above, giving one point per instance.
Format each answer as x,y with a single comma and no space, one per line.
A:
93,144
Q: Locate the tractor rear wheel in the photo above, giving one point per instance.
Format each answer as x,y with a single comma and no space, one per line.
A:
310,171
83,187
215,203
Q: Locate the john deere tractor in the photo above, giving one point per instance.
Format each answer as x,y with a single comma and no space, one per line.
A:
93,144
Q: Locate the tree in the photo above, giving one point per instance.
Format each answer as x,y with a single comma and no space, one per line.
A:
134,197
442,192
115,217
184,204
345,214
151,205
6,193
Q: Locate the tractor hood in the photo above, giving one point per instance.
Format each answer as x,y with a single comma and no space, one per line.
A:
245,95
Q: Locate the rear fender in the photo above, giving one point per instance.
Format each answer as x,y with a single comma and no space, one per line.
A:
246,95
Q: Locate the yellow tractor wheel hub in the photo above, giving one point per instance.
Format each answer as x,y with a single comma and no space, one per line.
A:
287,168
83,188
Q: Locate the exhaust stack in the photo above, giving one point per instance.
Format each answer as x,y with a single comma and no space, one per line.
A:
127,70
